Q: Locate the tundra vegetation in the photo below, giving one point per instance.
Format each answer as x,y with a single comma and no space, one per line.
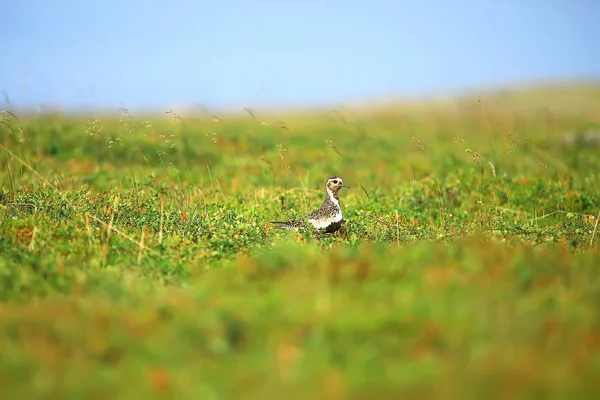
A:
137,259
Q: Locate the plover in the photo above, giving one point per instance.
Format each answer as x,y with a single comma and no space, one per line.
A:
327,218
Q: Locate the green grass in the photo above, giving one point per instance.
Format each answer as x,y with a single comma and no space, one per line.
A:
136,258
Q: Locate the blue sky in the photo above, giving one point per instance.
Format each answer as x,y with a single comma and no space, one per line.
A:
153,54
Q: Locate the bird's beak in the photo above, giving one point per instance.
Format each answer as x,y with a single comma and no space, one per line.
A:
346,186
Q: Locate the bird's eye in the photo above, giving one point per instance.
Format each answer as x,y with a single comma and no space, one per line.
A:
335,181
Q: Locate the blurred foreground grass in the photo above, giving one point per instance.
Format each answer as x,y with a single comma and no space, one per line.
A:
136,259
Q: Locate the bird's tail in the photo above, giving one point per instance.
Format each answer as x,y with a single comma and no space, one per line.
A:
295,224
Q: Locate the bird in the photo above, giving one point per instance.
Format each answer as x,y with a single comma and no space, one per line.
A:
328,218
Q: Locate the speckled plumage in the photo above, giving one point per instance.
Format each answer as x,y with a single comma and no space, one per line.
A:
328,218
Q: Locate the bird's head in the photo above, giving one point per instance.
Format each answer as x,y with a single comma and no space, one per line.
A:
335,184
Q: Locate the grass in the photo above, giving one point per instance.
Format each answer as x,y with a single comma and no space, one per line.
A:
136,258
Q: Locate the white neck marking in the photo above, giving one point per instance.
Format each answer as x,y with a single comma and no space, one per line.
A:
332,198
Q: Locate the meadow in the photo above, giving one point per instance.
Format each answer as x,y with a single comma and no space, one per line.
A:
137,259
